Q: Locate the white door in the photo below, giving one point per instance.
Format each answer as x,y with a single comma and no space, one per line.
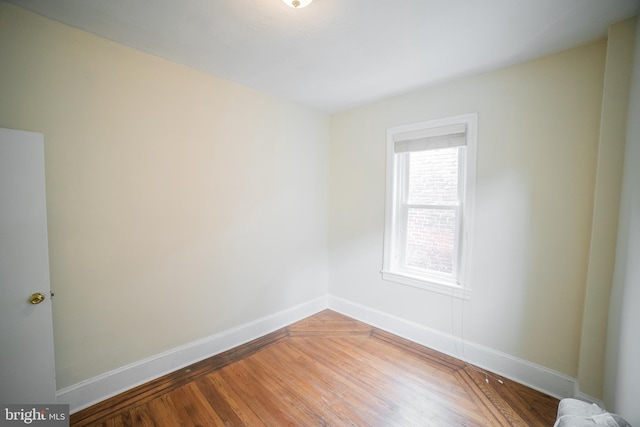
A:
27,369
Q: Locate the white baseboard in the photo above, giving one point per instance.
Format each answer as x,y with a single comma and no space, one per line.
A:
530,374
94,390
590,399
101,387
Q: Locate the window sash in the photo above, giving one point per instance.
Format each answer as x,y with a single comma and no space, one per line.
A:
402,210
404,242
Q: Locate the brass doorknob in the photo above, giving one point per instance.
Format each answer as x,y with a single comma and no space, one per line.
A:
36,298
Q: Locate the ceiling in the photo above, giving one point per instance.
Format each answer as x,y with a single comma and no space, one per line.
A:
338,54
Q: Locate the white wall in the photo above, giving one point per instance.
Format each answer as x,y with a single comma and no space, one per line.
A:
179,204
537,150
622,381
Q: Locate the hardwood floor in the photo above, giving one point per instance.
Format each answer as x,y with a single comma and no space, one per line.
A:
327,370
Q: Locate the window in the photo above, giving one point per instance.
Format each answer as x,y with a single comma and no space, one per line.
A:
429,204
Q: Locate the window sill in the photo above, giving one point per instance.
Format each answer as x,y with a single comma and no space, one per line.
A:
427,285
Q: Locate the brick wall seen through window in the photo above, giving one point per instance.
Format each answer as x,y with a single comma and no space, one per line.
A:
433,180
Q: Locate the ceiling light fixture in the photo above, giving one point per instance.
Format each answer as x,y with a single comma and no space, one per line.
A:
297,4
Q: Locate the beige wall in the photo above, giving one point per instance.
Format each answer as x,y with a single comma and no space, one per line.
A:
613,130
537,150
179,204
622,380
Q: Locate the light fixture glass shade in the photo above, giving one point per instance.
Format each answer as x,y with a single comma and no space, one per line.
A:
297,4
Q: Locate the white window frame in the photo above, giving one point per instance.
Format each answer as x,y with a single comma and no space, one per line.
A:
394,268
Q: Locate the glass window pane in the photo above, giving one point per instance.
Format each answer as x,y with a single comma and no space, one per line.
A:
433,177
431,239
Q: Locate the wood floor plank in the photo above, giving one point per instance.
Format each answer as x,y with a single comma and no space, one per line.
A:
292,393
321,386
142,416
326,370
415,392
417,379
164,412
518,403
266,406
191,406
416,395
370,406
327,324
235,401
218,402
484,404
